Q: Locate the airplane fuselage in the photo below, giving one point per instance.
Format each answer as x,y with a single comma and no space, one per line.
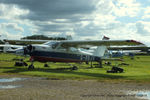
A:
51,56
44,53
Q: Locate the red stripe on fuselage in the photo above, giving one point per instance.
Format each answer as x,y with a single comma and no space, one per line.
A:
50,59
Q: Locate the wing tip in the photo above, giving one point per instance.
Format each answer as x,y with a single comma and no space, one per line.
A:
134,41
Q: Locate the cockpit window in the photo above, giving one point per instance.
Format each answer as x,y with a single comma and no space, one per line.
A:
52,44
49,43
73,49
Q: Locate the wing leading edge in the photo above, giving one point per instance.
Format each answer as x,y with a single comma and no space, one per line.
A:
78,44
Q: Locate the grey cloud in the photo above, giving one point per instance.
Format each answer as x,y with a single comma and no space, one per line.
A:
54,27
88,30
54,9
92,30
71,11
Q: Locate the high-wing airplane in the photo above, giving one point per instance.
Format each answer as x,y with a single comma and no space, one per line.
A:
69,50
10,48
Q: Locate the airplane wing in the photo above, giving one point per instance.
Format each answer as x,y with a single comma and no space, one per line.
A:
143,48
26,42
79,44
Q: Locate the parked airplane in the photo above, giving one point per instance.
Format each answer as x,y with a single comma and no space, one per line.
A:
9,48
69,50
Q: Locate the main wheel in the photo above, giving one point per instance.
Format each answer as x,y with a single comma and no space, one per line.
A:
46,65
31,67
74,68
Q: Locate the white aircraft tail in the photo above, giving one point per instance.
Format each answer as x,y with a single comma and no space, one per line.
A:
6,47
100,51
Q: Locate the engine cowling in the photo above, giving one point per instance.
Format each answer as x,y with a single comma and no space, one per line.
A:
28,49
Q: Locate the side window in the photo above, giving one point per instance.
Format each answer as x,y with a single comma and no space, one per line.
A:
72,49
54,45
1,48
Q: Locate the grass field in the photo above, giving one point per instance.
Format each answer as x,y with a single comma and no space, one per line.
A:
138,70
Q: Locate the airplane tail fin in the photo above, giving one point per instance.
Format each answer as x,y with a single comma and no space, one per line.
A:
100,51
6,47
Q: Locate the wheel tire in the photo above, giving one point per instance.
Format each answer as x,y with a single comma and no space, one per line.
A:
74,68
31,67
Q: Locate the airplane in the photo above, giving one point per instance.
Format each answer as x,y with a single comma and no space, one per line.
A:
7,48
129,50
69,50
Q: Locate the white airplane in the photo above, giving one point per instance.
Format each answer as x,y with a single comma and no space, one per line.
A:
7,48
69,50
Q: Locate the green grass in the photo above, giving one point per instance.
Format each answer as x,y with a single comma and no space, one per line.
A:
137,71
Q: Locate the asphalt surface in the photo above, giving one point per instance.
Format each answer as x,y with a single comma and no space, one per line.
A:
34,88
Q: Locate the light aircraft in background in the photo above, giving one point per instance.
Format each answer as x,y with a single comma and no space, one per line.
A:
8,48
69,50
128,50
142,48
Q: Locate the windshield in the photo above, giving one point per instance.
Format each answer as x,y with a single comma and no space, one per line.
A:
52,44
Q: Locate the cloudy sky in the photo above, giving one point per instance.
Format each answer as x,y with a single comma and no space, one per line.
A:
83,19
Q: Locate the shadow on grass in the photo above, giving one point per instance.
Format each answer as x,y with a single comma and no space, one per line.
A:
65,71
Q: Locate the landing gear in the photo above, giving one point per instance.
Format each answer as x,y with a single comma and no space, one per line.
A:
46,65
100,64
74,68
87,62
31,66
91,65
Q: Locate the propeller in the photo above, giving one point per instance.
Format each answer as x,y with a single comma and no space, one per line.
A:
28,49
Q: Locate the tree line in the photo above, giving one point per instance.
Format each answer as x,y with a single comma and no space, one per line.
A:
43,37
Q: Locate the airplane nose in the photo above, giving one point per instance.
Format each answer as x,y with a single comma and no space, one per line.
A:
25,51
28,49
